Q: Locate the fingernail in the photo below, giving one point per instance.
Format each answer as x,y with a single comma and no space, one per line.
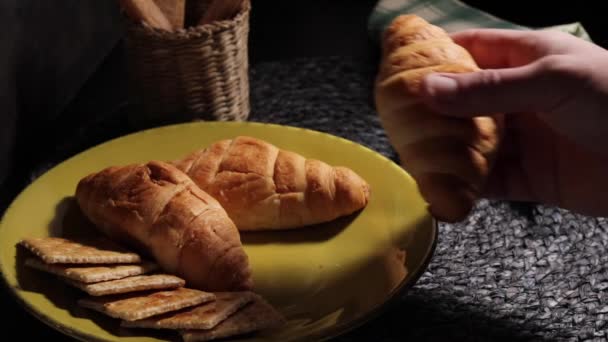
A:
440,85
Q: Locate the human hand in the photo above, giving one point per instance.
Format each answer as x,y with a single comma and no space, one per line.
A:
553,90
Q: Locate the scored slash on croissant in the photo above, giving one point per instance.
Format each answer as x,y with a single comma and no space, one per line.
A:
264,187
157,209
450,158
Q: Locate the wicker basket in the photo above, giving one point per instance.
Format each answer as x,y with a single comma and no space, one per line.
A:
198,73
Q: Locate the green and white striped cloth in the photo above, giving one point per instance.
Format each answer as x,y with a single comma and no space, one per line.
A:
451,15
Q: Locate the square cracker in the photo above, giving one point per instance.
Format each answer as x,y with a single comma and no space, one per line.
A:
256,316
130,308
54,250
131,284
92,274
205,316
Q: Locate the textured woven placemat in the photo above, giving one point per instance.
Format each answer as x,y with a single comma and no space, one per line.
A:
505,274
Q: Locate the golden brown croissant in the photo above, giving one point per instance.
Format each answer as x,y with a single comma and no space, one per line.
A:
263,187
157,209
450,158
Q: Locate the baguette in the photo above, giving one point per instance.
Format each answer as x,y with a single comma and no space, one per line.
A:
221,10
174,10
146,11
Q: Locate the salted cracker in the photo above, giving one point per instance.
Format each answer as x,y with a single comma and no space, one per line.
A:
133,307
205,316
92,274
256,316
54,250
130,284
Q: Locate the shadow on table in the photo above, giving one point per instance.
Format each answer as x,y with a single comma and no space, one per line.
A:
426,316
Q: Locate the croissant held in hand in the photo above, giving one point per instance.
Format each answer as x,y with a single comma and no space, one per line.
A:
159,210
264,187
450,158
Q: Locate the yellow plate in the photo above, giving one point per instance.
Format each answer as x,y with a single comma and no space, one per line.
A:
326,280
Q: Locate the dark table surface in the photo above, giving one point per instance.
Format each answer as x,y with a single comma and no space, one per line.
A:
281,32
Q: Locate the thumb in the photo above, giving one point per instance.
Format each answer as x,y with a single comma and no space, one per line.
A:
535,87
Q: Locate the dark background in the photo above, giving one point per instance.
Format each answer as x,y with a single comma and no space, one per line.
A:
288,29
280,30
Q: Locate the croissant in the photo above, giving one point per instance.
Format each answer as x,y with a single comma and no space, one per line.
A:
157,209
263,187
450,158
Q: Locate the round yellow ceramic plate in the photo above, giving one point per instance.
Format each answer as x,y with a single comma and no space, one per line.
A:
325,279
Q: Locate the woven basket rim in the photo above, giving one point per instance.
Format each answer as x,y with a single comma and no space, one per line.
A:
193,31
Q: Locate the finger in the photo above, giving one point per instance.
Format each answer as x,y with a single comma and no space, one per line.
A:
445,155
449,198
501,48
536,87
508,182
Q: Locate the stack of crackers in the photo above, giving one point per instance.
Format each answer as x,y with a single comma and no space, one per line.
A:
122,285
